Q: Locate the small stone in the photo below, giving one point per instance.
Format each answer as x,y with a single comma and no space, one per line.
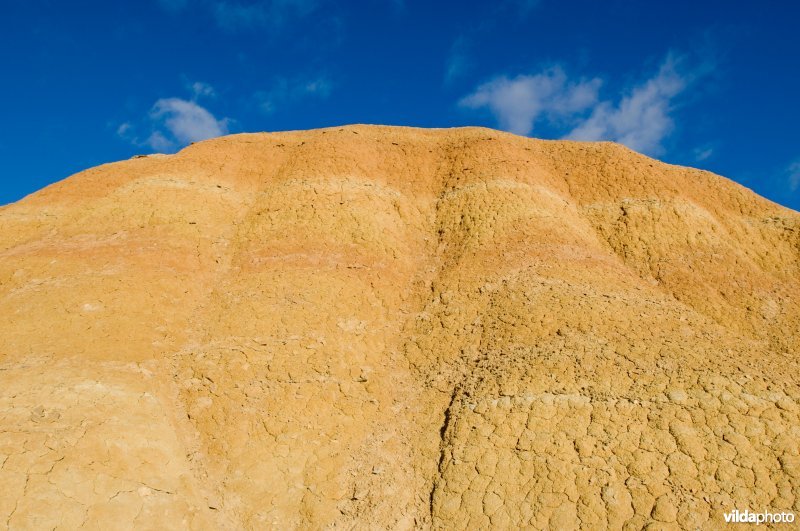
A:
664,509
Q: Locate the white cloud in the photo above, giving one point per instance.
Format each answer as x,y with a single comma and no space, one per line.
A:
184,121
159,142
174,122
285,91
642,118
518,102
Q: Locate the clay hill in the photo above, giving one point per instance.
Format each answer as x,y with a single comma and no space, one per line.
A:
378,327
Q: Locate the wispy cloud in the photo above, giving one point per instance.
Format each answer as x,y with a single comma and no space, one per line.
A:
124,129
234,15
703,153
457,60
286,91
175,122
641,118
517,103
793,174
201,90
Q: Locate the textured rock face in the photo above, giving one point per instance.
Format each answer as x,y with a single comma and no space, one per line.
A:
397,328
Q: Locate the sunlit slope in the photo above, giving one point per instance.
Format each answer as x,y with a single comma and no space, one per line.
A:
397,328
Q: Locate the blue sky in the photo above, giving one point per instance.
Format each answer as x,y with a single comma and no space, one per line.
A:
710,84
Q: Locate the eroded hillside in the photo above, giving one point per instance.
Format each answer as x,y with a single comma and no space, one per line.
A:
378,327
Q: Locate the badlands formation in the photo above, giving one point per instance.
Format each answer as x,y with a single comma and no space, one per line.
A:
378,327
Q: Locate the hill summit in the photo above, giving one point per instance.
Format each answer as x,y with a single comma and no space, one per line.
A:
383,327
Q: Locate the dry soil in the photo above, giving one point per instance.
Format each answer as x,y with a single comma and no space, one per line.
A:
380,327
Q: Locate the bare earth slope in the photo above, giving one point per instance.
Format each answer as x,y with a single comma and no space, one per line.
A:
382,327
